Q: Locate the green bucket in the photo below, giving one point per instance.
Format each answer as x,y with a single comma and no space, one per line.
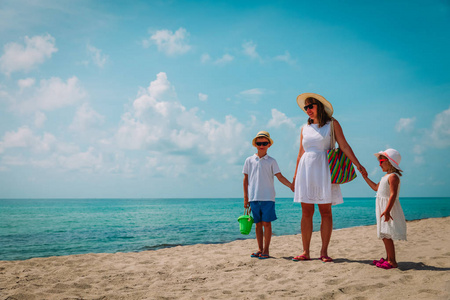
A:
245,222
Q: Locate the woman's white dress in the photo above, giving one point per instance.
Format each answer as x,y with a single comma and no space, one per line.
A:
394,229
313,180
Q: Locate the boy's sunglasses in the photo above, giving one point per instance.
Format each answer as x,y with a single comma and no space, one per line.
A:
381,161
309,106
262,143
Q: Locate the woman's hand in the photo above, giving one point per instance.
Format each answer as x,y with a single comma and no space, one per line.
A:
293,185
362,170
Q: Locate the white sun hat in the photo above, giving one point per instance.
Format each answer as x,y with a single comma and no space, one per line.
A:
393,156
302,97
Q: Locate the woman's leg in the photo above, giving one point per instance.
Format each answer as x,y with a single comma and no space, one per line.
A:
307,227
326,227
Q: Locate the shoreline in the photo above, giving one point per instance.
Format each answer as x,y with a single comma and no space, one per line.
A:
226,271
250,237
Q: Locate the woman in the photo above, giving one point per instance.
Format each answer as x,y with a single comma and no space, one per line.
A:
312,180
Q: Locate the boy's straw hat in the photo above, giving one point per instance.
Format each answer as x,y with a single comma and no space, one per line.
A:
262,134
393,156
302,97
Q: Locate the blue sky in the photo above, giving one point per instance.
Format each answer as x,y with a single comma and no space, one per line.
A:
162,98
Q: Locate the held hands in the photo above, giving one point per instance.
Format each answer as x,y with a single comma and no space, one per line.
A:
363,171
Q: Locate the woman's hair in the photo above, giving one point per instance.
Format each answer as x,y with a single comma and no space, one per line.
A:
392,169
322,116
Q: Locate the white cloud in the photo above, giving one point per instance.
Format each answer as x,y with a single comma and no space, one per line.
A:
170,43
25,83
202,97
226,58
279,119
52,94
86,118
18,57
249,49
96,55
159,123
286,58
88,161
252,92
39,119
205,58
440,133
25,138
405,124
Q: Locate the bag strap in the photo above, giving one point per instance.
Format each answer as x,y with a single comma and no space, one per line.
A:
333,138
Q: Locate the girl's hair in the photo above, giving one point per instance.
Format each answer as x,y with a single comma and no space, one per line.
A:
322,116
392,169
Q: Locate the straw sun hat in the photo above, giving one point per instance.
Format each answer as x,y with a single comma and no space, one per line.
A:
262,134
302,97
393,156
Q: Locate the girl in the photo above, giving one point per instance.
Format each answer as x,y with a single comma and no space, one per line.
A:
391,223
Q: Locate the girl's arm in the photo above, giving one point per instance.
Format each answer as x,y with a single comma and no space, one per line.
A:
372,184
300,153
345,147
246,191
283,180
393,186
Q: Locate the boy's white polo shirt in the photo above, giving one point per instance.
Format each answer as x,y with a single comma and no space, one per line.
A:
261,172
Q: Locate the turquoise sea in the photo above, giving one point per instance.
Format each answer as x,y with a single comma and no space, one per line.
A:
51,227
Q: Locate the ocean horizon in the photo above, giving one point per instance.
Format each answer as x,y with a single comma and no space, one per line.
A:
53,227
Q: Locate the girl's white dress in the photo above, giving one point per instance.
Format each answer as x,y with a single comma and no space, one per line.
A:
394,229
313,180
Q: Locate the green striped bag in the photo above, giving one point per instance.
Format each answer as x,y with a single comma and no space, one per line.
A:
341,168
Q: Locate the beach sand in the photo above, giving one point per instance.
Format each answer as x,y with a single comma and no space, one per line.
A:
226,271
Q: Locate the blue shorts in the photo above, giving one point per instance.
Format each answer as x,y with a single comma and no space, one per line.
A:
263,211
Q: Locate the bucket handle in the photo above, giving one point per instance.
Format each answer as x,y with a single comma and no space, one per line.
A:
247,211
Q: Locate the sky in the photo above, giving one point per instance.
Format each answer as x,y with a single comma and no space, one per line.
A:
161,99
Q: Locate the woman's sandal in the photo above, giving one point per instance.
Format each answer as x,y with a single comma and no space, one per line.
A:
256,254
264,256
326,258
300,258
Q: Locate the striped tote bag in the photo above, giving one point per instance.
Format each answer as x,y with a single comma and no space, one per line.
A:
341,168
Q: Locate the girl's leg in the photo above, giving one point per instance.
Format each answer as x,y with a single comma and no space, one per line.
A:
267,236
390,252
307,227
326,227
259,235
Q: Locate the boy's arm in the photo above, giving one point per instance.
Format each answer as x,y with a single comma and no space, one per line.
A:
246,191
283,180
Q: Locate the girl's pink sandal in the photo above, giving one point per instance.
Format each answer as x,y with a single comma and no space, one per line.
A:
375,262
385,265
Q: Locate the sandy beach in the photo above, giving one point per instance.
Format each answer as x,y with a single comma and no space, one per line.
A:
226,271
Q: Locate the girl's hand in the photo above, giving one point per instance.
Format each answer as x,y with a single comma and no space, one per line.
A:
363,171
293,185
387,216
246,204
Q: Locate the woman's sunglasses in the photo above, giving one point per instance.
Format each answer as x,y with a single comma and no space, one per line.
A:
262,143
310,106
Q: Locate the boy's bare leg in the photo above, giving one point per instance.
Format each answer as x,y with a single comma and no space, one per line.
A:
390,252
267,236
307,227
326,227
259,235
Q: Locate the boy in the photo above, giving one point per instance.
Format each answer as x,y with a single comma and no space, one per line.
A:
259,190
